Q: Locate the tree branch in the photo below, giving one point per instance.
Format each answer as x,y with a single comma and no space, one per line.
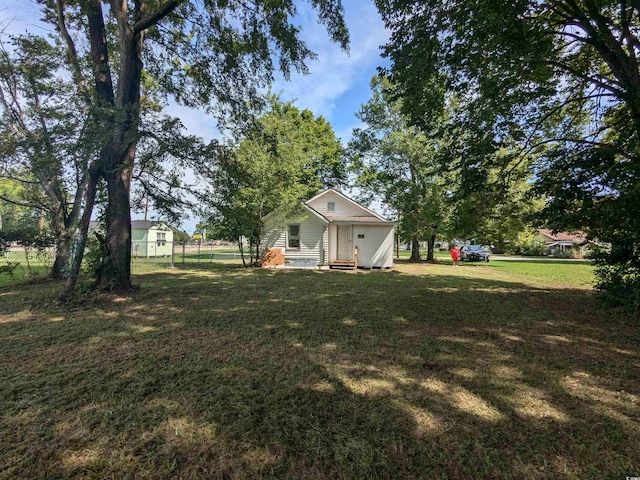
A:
579,141
151,20
20,204
72,53
594,81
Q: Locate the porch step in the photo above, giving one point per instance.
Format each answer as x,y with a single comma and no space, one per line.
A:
343,264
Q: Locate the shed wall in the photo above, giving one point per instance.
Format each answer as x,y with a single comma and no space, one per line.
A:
375,250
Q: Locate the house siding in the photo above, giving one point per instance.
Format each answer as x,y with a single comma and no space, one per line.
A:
144,242
343,207
375,250
332,243
312,232
139,242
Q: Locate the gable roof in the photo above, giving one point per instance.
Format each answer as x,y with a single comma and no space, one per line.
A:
370,217
311,210
563,236
322,217
137,225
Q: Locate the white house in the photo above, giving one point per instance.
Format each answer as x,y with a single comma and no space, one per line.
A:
331,229
151,239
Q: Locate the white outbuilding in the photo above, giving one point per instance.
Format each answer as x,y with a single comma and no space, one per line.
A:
151,239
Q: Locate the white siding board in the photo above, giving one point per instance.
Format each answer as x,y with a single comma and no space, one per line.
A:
343,206
274,237
332,242
325,245
311,237
375,250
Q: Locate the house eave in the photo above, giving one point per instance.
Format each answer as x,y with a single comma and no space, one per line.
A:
365,222
322,218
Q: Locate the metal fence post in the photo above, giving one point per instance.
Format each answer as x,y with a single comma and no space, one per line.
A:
183,249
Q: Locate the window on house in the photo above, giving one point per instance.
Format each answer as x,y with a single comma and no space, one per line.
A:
161,238
331,206
293,240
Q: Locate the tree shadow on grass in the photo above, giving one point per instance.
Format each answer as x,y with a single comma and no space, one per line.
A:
298,374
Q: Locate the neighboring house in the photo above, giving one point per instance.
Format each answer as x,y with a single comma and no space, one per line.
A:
148,238
328,230
151,239
561,242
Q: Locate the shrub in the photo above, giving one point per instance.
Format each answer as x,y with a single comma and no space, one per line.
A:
569,253
617,277
528,244
619,285
94,253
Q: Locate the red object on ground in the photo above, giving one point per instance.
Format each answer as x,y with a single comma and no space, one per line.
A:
455,254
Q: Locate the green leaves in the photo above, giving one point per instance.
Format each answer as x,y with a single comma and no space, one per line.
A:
396,164
227,51
285,158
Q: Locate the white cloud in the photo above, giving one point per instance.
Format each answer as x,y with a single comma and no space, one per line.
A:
335,71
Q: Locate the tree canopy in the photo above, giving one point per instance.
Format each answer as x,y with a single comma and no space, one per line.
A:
216,55
285,158
397,164
559,78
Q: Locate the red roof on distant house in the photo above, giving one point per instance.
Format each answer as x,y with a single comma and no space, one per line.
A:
578,237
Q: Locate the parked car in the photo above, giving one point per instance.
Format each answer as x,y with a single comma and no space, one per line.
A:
474,253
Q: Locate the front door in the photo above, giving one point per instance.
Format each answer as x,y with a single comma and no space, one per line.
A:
345,240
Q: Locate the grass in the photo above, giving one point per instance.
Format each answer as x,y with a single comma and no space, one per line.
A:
24,267
486,371
555,272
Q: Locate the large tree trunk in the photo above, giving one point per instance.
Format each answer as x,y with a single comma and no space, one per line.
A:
415,250
115,273
430,248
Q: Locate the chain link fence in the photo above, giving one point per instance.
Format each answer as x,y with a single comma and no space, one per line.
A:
169,254
23,263
19,263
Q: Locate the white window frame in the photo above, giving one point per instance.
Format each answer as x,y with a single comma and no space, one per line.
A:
331,206
293,237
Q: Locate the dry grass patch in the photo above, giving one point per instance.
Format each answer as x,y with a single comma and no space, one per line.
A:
422,372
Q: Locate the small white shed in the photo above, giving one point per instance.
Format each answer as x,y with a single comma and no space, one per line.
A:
151,239
332,229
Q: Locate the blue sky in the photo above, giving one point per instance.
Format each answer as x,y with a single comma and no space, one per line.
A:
338,82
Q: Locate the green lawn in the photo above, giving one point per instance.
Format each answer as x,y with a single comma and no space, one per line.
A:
24,267
505,370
